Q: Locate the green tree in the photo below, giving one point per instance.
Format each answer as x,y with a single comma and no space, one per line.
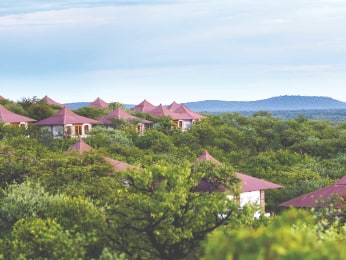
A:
92,112
36,108
157,215
164,124
42,239
205,132
114,105
87,175
294,235
19,158
155,140
73,218
40,110
103,137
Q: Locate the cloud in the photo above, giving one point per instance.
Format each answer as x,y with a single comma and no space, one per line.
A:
196,42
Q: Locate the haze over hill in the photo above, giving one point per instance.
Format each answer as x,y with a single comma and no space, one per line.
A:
279,103
270,104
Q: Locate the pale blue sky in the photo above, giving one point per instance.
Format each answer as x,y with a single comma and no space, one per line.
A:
182,50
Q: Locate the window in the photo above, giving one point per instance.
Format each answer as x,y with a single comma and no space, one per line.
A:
180,124
69,130
78,130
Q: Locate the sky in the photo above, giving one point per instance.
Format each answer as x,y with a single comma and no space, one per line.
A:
172,50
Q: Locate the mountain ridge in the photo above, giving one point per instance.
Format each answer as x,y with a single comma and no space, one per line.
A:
278,103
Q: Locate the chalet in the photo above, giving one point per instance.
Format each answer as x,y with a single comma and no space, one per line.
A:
252,190
67,123
10,118
99,103
161,110
120,114
82,147
50,101
185,118
181,116
323,197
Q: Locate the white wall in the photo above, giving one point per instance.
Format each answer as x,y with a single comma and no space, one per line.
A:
252,197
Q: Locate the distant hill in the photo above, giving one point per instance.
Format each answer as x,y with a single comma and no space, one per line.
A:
77,105
271,104
281,103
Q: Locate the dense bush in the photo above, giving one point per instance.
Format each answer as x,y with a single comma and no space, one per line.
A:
58,205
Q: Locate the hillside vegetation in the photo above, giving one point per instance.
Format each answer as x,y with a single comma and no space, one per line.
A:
59,205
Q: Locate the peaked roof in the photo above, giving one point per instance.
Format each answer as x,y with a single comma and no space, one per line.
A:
99,103
248,183
80,147
205,156
118,165
119,113
185,113
66,116
7,116
173,106
145,106
51,101
320,197
160,110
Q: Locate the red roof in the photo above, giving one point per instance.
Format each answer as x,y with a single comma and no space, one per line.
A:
163,111
144,106
248,183
119,113
99,103
80,147
66,116
205,156
51,101
184,113
118,165
318,197
7,116
173,106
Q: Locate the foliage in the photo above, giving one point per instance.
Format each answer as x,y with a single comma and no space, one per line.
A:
42,239
114,105
164,124
92,112
13,107
157,212
294,235
156,141
86,175
10,131
157,215
102,137
19,157
36,108
29,214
